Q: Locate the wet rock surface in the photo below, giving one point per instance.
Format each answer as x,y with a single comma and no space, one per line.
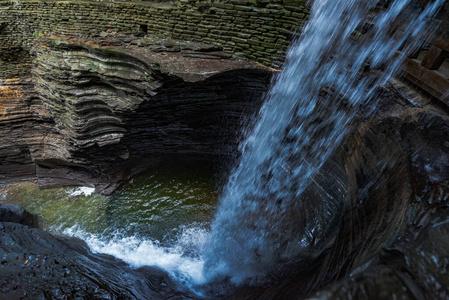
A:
390,240
37,265
16,214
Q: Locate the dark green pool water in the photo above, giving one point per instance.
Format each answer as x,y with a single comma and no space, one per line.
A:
154,204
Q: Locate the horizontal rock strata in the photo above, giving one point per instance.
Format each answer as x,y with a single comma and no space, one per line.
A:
258,30
91,108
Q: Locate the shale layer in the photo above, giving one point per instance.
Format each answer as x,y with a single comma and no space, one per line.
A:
258,30
93,109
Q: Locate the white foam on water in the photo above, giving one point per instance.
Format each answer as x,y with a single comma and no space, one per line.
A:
81,191
182,259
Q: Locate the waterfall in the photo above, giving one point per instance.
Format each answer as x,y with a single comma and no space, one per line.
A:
331,72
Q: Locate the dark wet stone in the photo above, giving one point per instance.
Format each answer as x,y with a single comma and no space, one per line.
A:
37,265
17,214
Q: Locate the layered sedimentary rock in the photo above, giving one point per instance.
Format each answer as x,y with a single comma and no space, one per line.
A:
24,125
94,108
258,30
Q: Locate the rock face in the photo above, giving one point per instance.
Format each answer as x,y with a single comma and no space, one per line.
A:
16,214
258,30
38,265
91,110
24,124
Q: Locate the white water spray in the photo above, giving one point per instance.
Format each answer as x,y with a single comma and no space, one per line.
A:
180,259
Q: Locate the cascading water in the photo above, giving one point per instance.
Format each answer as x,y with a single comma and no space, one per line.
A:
329,74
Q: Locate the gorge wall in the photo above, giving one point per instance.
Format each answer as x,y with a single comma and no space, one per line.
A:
259,30
89,109
117,90
71,104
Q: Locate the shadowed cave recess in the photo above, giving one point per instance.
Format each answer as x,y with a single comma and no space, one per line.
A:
224,149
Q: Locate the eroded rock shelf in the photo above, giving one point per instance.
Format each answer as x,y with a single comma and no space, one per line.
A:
92,107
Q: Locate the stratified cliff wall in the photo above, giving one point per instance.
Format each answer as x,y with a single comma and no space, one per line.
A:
91,107
73,104
259,30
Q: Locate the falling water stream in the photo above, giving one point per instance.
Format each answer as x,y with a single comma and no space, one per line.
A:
347,50
331,71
